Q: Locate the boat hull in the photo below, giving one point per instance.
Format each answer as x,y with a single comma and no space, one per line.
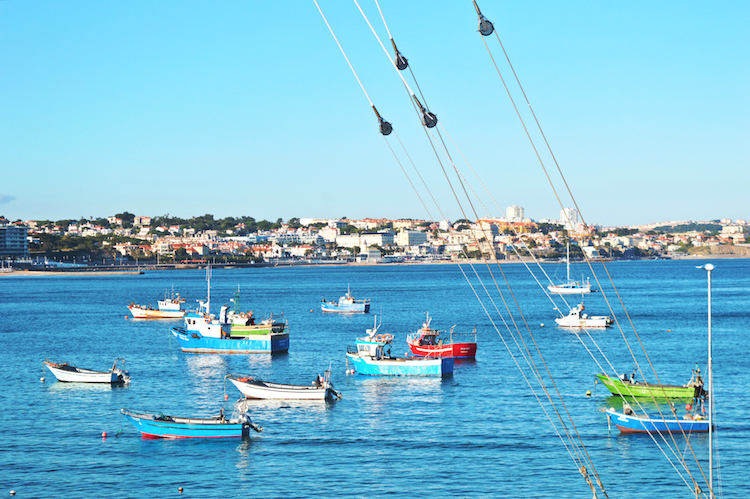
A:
618,387
158,426
579,322
257,343
402,366
354,308
70,374
633,424
457,350
147,313
256,389
568,289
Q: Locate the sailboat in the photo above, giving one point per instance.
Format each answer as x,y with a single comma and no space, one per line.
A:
570,287
694,421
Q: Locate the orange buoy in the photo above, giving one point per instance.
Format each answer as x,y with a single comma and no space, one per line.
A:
180,489
226,397
104,434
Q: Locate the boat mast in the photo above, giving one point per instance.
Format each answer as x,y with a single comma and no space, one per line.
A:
208,280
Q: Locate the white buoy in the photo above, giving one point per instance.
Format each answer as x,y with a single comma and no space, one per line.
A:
541,325
41,379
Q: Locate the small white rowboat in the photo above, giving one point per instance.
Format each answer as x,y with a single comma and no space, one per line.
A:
66,372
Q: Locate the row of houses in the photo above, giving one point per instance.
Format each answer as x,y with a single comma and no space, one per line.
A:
325,238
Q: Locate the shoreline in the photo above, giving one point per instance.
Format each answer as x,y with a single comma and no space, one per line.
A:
104,273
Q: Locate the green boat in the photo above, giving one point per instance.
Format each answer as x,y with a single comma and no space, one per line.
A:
627,386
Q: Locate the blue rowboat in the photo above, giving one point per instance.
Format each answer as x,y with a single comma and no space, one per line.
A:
371,355
159,425
645,424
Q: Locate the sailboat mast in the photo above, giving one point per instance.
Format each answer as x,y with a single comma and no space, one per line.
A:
567,260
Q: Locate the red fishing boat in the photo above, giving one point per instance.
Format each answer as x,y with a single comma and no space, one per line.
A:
427,342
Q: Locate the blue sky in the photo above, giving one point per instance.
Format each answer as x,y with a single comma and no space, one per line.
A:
248,108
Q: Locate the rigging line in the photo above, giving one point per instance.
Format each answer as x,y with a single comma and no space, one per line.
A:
394,46
563,178
383,46
450,184
499,209
523,318
523,124
407,176
576,459
549,148
420,178
580,441
343,53
540,160
632,354
535,151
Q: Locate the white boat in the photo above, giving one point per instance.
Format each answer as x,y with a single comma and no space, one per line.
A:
254,388
576,318
570,287
66,372
169,308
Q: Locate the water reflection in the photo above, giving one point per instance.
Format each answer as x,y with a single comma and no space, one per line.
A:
63,387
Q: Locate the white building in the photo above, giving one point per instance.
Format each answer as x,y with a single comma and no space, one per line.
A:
410,238
514,213
569,218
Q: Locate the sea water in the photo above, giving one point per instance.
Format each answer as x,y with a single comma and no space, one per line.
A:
480,433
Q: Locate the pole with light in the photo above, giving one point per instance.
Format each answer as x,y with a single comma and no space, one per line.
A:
709,268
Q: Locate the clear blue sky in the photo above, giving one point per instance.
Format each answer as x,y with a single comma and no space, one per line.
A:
248,108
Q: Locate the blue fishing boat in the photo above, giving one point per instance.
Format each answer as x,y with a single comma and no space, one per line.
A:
205,333
158,425
371,355
347,304
632,423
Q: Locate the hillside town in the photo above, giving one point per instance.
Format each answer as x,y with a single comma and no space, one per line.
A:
171,240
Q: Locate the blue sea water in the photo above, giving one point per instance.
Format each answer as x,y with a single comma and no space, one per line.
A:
479,433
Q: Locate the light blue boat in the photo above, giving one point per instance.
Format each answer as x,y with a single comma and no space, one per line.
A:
194,342
159,425
204,333
371,356
645,424
346,305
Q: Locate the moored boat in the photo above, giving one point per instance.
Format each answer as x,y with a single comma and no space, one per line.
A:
696,420
576,318
371,355
427,342
570,287
69,373
205,333
628,387
632,423
347,304
168,308
159,425
255,388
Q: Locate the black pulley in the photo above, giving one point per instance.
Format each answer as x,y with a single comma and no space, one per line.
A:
401,62
428,119
385,127
485,27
